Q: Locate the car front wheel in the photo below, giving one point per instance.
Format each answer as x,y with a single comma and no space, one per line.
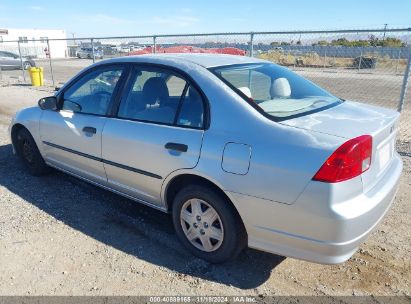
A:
30,154
207,224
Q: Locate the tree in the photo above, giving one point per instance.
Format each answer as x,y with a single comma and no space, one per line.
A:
321,42
393,42
341,41
371,41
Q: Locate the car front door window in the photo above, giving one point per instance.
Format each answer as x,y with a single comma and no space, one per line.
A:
92,93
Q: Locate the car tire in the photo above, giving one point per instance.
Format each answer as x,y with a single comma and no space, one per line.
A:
30,154
224,236
26,65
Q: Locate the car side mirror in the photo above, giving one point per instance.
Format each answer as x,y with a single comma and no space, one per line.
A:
48,103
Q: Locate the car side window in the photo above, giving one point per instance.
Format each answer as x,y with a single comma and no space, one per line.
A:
175,86
92,93
154,96
6,54
192,110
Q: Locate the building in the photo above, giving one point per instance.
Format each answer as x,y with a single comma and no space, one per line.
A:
37,48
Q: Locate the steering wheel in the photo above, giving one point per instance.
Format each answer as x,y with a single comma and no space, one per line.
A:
108,94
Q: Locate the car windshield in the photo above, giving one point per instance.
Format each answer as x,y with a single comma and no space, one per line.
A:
275,90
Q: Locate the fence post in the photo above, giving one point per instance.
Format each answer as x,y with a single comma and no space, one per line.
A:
21,62
92,50
154,44
398,61
251,44
51,66
294,56
325,57
359,61
405,83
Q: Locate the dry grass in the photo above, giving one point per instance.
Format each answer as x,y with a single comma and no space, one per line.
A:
313,59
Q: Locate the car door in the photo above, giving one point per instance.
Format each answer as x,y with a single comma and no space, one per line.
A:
71,136
3,59
13,60
158,129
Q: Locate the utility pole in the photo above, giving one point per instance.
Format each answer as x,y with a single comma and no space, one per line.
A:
385,29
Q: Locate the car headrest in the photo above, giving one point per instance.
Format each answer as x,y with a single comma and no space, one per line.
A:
155,89
280,88
246,91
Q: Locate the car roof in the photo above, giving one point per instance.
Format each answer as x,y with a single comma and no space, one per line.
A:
204,60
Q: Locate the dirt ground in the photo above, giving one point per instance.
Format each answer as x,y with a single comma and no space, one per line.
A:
61,236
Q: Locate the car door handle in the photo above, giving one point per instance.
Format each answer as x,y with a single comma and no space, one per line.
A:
176,147
89,130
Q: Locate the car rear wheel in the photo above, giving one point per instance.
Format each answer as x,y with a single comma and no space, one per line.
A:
30,154
207,224
26,65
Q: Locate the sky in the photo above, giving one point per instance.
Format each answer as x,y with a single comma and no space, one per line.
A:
120,18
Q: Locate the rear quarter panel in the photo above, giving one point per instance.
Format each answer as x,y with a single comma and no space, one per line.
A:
283,160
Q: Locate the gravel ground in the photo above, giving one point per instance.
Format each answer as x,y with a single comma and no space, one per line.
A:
61,236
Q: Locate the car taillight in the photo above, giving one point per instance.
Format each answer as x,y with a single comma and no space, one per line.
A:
350,160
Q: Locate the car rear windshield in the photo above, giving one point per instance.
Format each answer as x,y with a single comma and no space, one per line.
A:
275,91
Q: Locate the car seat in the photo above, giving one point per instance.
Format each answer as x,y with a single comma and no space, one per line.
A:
154,95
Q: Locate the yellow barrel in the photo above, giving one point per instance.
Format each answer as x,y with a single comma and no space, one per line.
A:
36,76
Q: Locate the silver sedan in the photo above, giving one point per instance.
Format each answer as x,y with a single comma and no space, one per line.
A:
240,151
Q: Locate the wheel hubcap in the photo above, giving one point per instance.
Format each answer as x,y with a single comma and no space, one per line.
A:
202,225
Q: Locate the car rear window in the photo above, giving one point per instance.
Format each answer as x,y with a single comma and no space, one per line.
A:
274,90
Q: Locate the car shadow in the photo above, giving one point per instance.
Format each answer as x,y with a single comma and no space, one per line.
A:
133,228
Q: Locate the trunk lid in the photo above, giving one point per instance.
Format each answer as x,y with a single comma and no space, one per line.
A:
352,119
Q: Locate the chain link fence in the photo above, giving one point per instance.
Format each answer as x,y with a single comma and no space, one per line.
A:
370,66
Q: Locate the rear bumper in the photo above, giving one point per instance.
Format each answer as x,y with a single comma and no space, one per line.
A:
322,226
